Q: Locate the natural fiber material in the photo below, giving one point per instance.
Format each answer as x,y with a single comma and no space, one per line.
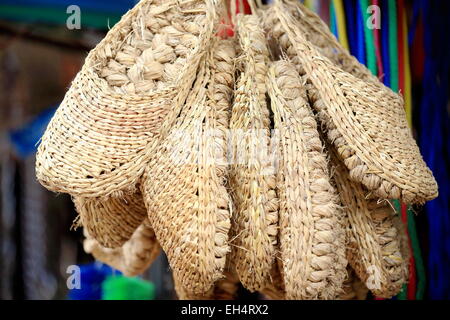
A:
403,239
365,120
184,184
252,179
354,288
134,257
276,289
318,33
311,224
111,222
128,92
224,289
373,248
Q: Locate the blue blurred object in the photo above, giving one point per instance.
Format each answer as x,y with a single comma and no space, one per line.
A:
25,140
434,140
91,280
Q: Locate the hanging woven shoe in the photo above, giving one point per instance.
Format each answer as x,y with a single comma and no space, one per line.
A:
130,87
374,245
184,184
134,257
252,180
365,120
318,33
311,226
111,222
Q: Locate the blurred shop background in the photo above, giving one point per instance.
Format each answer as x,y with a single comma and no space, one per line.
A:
41,50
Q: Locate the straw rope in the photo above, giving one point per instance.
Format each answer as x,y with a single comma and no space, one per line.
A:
252,181
311,224
373,248
111,222
184,184
127,94
365,120
134,257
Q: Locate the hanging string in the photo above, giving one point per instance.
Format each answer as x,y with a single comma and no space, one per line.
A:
407,70
341,23
393,47
377,40
403,295
368,36
385,43
420,268
400,47
333,21
350,13
361,50
311,5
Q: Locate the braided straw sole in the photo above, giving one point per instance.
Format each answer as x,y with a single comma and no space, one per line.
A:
184,184
311,233
365,120
111,222
254,224
134,257
373,241
126,95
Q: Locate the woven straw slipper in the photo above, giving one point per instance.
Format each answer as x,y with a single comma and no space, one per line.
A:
318,33
184,184
254,225
128,91
113,221
374,245
365,120
134,257
310,220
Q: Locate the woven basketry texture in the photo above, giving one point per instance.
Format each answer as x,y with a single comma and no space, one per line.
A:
354,288
184,184
224,289
318,33
365,120
134,257
111,222
276,289
311,234
374,247
127,93
254,225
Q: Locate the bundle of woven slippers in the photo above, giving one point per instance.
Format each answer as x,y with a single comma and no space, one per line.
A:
268,158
